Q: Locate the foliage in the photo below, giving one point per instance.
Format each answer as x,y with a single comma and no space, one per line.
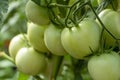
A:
3,8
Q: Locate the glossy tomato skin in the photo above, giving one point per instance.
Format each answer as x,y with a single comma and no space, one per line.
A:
36,14
30,61
111,20
36,36
105,66
52,38
79,41
17,43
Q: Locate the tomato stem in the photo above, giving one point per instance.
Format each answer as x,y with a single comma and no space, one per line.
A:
58,66
55,18
69,12
78,65
104,5
4,55
59,5
78,9
101,22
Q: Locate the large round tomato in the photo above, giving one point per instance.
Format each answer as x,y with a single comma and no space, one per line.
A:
16,43
82,40
36,36
36,14
52,38
105,66
30,62
111,20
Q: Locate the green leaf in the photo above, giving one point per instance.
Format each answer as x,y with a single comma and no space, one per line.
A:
22,76
3,8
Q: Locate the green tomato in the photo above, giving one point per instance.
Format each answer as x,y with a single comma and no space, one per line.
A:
30,61
79,41
36,36
36,13
52,38
111,20
17,43
105,66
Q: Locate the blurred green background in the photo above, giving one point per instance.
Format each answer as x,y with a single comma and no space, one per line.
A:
12,22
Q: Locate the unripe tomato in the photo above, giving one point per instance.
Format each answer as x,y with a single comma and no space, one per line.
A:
52,38
37,14
79,41
105,66
30,61
111,20
36,36
16,43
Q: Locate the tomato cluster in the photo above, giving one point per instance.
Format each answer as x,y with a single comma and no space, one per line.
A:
88,39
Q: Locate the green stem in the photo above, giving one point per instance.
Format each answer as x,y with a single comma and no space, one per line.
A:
69,12
55,17
112,4
58,67
74,22
4,55
56,64
80,7
58,5
77,67
101,21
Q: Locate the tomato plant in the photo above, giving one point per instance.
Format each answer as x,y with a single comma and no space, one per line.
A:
60,39
105,66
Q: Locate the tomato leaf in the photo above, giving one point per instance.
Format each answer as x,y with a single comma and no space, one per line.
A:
3,8
22,76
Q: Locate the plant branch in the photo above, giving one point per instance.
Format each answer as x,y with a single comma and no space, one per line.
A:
4,55
101,21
